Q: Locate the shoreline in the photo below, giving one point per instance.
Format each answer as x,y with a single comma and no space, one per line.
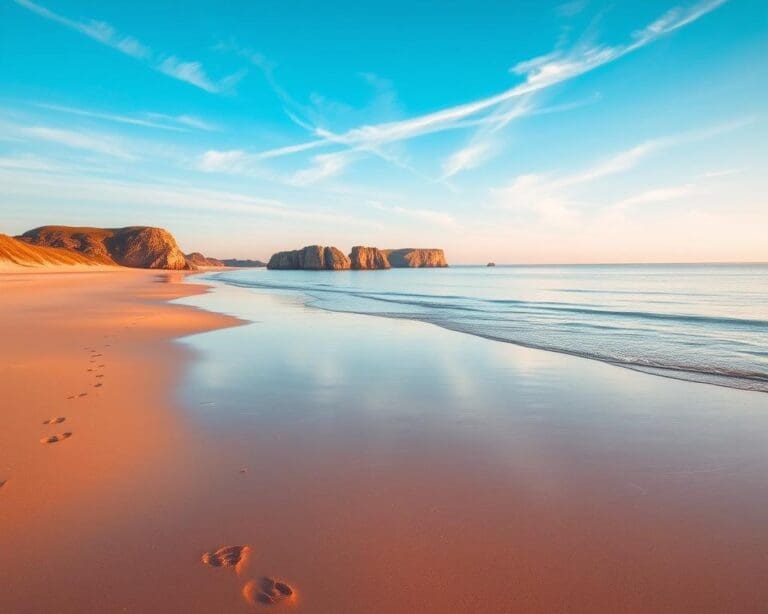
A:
374,465
413,462
441,311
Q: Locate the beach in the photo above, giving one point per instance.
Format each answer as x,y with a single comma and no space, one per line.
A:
96,349
373,464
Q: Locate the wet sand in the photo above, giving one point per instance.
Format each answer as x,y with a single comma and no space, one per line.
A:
372,465
88,357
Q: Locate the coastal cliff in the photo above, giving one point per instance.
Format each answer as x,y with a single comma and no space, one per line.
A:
312,258
415,257
368,258
198,260
143,247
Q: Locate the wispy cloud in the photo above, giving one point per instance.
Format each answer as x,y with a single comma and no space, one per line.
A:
189,72
97,30
425,215
194,74
231,161
538,74
658,195
160,121
28,163
239,162
551,194
726,172
83,188
571,9
466,158
323,167
97,143
483,143
190,121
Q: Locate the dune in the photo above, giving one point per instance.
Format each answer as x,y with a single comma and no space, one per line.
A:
17,255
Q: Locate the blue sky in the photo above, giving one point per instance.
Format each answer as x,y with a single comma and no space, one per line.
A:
575,131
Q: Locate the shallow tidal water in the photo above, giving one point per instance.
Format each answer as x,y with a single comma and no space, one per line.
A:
705,323
386,465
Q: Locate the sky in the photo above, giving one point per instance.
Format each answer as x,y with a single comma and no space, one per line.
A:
516,132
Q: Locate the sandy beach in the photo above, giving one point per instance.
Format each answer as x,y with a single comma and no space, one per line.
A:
372,465
384,308
91,352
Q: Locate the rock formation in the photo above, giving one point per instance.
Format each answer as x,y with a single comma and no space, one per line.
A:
319,258
142,247
368,258
415,258
491,264
312,258
198,260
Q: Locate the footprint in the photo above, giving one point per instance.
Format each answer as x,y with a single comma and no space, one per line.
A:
89,370
100,375
268,591
57,420
96,355
101,366
71,396
2,483
227,556
56,438
83,394
99,385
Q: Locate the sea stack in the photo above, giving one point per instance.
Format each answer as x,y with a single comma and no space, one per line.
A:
368,258
319,258
310,258
416,257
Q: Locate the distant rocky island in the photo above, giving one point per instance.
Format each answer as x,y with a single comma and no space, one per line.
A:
322,258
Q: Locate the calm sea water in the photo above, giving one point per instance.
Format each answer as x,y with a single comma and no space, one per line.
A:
703,323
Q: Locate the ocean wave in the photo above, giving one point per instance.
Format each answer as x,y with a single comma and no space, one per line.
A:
708,348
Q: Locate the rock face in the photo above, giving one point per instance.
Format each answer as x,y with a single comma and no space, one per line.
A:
143,247
368,258
311,258
197,259
415,258
243,263
319,258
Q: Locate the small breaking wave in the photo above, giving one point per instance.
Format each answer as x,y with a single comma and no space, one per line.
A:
712,348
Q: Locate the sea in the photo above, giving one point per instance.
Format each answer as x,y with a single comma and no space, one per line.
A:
704,323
